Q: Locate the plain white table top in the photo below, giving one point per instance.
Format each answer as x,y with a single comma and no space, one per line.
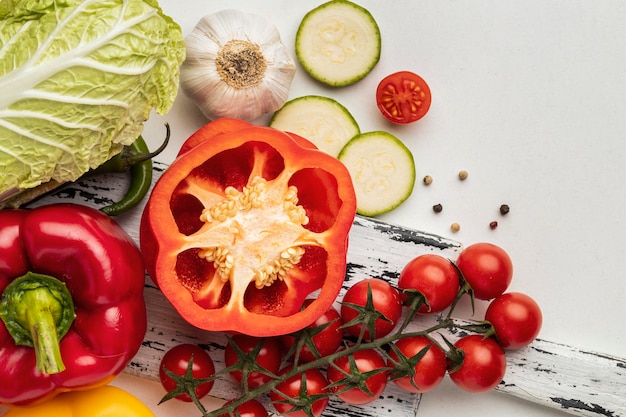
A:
529,98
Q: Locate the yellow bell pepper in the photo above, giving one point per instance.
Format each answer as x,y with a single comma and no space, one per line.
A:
104,401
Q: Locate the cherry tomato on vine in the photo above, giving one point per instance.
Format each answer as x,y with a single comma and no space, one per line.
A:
315,383
177,359
429,370
403,97
325,341
483,365
386,301
269,357
516,319
251,408
487,268
434,277
367,360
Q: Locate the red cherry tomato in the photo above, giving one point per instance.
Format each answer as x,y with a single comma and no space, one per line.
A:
403,97
269,357
325,341
177,359
516,319
483,366
487,268
292,388
429,370
434,277
386,300
251,408
366,361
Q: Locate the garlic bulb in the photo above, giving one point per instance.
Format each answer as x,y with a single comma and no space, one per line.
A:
236,66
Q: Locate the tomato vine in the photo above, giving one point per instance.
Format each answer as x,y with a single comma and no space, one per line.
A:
414,360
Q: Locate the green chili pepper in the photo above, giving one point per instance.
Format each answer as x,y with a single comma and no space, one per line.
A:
138,159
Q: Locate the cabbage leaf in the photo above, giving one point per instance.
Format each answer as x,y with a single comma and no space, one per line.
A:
78,78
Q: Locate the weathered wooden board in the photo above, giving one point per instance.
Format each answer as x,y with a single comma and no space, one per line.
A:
552,374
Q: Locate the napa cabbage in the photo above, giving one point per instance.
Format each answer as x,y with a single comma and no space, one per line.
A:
77,81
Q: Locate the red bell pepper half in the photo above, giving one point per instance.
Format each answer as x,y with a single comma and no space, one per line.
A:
72,306
244,225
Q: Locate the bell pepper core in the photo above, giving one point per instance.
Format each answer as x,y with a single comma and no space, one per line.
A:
245,225
38,311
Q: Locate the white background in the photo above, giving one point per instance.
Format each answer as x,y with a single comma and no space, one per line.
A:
530,99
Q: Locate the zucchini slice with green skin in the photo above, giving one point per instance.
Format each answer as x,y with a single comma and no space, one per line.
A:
382,170
338,43
322,120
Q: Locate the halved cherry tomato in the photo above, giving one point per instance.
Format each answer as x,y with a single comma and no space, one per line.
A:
177,360
403,97
372,368
386,300
516,319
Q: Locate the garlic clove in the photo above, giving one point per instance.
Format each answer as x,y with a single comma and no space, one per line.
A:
236,66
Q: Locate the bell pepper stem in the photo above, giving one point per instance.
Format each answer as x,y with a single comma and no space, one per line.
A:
45,341
38,310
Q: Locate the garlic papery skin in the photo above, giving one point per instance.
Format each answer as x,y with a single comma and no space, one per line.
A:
236,66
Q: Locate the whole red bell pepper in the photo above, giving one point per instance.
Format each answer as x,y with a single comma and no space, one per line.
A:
72,306
244,225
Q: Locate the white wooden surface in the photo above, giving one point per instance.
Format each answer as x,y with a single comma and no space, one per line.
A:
547,373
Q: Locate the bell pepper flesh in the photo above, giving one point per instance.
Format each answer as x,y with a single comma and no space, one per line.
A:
244,226
103,270
104,401
211,130
227,125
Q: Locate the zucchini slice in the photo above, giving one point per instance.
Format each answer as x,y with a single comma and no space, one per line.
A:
338,43
322,120
382,170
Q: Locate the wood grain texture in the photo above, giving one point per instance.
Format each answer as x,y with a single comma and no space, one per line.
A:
555,375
